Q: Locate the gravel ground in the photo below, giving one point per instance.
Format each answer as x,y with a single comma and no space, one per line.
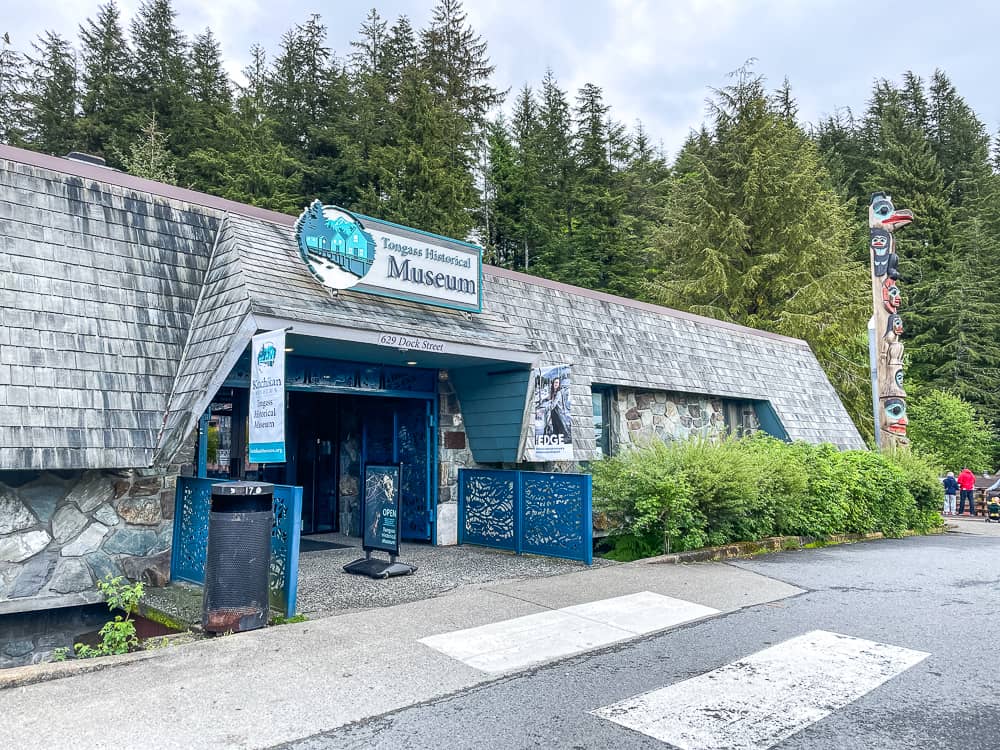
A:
324,587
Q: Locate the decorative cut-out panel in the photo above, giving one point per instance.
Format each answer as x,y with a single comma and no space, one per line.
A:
190,547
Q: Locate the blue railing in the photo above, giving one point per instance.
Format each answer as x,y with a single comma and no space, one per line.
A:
536,512
187,560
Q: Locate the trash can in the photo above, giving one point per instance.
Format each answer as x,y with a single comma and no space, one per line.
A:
238,557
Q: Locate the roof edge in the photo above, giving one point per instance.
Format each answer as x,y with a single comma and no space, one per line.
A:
172,192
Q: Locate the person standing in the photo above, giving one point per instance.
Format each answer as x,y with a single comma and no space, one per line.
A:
966,484
950,490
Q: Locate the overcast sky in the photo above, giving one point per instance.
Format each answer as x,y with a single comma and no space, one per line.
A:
655,60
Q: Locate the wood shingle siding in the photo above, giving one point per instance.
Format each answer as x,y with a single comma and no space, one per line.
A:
125,303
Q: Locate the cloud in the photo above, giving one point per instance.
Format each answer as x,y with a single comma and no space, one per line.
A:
654,59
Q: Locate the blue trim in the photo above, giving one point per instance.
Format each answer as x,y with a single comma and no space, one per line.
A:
295,535
769,420
432,470
203,444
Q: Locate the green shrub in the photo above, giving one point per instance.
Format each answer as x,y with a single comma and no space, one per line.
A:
948,427
669,497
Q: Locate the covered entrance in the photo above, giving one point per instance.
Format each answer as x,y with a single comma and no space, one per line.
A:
340,416
333,436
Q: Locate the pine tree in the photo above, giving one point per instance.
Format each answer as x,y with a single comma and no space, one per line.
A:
598,258
11,93
161,74
309,106
458,71
249,164
51,96
148,155
105,83
211,104
754,233
556,178
958,138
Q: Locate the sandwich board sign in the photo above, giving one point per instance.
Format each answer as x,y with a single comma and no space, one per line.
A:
380,516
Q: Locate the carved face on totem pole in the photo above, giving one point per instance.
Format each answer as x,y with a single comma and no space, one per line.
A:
883,214
881,246
894,416
891,297
894,326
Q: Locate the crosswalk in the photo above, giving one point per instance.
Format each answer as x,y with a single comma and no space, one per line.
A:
522,642
750,704
756,702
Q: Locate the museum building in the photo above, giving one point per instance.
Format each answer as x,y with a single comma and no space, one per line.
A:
128,308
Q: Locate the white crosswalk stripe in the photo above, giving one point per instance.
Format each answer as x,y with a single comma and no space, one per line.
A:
523,641
754,703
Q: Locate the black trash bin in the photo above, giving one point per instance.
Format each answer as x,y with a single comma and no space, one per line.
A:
238,558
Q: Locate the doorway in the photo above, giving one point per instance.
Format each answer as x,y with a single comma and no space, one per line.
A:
336,435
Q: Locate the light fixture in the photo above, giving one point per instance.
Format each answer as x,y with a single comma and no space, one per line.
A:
289,349
411,363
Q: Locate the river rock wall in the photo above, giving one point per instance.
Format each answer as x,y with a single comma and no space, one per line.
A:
60,532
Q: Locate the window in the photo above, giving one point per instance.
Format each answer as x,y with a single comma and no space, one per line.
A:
601,396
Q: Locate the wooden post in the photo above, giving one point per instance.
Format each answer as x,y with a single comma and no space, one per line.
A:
883,219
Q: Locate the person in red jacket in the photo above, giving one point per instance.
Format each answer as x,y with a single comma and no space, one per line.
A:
966,483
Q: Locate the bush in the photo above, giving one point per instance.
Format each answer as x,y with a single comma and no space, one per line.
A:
668,497
946,426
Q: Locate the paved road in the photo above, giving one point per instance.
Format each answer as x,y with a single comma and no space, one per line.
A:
934,601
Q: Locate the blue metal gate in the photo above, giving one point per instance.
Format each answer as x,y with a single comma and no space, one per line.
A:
540,513
187,560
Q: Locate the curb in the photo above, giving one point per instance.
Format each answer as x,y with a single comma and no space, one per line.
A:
771,544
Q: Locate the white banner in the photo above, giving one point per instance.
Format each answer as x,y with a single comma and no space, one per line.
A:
267,398
551,434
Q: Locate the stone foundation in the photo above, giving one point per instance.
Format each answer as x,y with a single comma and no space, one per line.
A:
60,532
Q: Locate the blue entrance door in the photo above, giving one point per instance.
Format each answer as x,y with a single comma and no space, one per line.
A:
399,431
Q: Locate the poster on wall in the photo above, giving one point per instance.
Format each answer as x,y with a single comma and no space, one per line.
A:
267,398
551,434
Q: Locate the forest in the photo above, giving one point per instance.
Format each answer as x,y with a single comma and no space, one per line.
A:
760,219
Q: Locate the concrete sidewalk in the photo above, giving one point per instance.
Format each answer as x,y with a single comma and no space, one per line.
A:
271,686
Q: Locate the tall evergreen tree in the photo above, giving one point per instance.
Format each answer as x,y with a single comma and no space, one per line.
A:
598,257
51,96
458,71
11,93
249,164
161,74
211,103
754,234
553,154
308,101
105,81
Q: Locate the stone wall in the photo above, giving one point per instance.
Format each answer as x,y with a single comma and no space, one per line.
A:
639,415
31,637
62,531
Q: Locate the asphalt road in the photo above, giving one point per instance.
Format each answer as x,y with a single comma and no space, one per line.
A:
939,595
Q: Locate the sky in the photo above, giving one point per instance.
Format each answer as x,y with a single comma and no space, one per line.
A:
656,61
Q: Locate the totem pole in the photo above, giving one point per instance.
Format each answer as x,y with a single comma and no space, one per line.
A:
890,407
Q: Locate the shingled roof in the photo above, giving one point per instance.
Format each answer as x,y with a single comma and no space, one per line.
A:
125,303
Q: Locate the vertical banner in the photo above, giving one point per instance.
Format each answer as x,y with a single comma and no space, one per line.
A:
551,437
267,398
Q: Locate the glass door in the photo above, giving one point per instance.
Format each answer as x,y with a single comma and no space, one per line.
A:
397,431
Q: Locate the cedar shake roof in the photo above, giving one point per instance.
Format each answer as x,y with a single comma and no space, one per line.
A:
125,303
